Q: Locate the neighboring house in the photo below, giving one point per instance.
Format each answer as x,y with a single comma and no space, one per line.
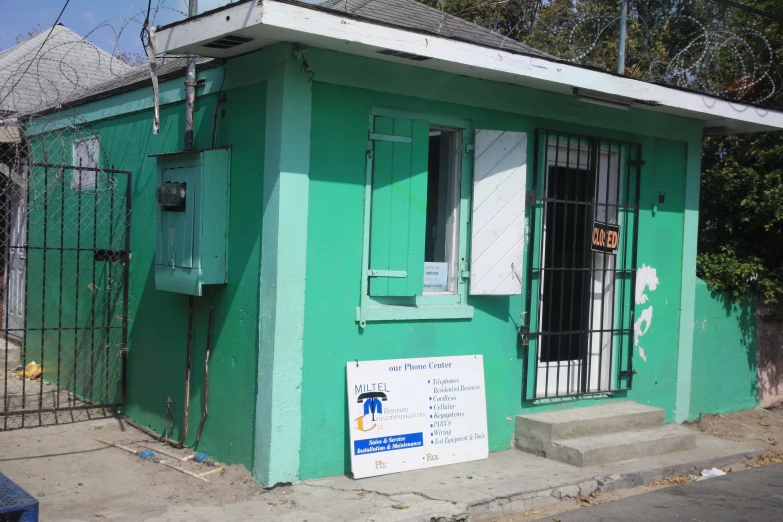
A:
41,72
341,148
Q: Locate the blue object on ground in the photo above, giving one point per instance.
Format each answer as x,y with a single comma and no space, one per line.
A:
146,454
200,458
15,503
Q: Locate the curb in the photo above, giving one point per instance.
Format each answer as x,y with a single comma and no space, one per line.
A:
529,501
640,478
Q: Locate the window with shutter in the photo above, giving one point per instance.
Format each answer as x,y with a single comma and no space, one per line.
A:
399,206
415,218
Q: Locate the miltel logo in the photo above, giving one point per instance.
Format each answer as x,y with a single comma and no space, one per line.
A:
373,396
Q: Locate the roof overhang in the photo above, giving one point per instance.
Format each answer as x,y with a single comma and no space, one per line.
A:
251,25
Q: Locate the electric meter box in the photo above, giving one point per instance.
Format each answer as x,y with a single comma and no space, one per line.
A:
192,198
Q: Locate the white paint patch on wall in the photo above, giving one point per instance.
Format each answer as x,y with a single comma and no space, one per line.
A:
646,278
644,320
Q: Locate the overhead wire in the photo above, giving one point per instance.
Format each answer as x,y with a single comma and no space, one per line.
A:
144,35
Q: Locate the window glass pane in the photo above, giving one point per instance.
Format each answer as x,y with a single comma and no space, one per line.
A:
440,239
86,153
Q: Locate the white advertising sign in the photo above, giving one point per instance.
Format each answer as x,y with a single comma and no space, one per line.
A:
436,277
408,414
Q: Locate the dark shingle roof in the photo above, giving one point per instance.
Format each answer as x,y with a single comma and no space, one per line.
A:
167,66
410,14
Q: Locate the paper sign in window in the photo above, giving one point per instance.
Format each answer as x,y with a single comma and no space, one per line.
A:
436,277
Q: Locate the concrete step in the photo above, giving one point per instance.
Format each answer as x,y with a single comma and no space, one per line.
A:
534,432
626,445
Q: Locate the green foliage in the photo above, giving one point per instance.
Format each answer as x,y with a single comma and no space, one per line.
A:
741,220
587,31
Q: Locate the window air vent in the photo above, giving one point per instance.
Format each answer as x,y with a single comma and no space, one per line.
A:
407,56
232,40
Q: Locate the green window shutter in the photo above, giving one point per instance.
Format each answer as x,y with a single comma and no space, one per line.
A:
399,206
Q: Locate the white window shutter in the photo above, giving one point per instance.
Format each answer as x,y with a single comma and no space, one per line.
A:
498,221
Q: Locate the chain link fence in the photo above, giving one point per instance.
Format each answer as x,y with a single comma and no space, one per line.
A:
64,223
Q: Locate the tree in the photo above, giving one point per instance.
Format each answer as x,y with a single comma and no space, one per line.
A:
33,31
741,220
132,59
702,45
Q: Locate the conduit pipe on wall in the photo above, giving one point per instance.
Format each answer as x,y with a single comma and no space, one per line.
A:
187,371
205,411
221,99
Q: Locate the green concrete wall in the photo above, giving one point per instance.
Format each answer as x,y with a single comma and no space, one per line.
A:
344,89
725,374
158,320
283,266
335,231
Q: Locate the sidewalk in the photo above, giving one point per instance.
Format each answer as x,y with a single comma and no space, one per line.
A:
77,478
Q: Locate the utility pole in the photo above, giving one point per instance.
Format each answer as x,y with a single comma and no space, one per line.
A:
190,85
621,46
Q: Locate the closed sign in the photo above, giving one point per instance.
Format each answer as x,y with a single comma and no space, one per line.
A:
606,238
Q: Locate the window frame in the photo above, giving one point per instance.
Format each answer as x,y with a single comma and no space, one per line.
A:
451,305
453,198
77,174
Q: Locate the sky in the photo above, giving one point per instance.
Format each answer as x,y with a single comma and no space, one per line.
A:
83,16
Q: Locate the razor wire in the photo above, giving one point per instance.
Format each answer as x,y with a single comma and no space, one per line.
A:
711,54
64,213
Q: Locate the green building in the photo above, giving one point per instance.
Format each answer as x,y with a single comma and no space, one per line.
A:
370,186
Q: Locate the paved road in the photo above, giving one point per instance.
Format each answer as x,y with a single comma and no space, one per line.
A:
752,495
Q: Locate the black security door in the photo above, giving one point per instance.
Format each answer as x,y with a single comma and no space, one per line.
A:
582,259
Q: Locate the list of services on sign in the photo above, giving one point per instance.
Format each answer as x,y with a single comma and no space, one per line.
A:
408,414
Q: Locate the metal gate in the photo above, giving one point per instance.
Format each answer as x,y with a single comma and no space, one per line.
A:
64,239
582,260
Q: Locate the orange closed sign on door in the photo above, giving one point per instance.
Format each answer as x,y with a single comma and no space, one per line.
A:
606,238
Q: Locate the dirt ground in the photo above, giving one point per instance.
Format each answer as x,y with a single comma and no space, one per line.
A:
75,476
21,395
87,479
761,427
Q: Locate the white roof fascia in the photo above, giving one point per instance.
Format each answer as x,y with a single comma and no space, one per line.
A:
208,27
270,21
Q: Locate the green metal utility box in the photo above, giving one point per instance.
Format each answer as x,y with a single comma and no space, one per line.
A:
192,220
